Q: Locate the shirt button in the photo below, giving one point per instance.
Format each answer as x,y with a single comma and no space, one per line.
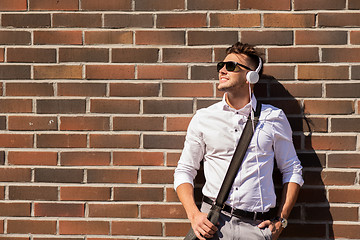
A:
236,130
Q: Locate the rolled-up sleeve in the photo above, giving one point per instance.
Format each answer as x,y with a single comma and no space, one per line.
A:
191,156
285,154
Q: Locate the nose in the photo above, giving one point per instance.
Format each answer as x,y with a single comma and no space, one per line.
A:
223,70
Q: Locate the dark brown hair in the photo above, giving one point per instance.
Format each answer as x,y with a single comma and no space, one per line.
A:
249,50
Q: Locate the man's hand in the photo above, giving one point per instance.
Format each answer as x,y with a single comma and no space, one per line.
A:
275,228
202,227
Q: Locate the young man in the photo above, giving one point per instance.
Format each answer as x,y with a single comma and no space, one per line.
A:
212,137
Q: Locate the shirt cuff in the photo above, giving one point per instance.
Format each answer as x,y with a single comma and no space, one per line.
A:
295,178
180,179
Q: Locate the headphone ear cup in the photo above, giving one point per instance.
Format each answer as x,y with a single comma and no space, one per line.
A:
252,77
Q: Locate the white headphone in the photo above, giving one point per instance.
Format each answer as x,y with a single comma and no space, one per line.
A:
253,76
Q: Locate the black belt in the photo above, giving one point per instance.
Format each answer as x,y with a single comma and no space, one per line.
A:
243,214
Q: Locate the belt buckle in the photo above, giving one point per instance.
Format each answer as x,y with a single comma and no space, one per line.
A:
255,214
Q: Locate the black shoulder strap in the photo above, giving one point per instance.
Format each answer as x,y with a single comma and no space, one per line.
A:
238,157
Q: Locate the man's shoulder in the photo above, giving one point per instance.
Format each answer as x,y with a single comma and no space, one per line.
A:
269,112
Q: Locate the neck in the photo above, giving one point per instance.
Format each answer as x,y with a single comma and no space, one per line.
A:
237,101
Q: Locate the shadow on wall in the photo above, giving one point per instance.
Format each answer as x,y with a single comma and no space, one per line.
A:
311,216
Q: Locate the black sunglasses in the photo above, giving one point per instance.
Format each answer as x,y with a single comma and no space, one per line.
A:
230,66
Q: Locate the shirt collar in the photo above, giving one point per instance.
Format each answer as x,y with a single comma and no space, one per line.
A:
243,111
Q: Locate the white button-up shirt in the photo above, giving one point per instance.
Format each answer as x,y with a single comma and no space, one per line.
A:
212,136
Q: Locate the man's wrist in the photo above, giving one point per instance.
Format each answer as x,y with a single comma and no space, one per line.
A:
283,221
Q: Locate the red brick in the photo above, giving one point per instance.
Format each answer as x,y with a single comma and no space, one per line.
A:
110,72
115,106
114,141
345,125
129,21
31,55
168,107
291,55
2,54
181,20
64,106
16,140
160,37
135,55
280,72
158,5
187,90
162,72
355,37
162,211
58,37
329,107
53,175
289,20
138,123
108,37
32,123
112,176
354,4
85,193
280,38
2,195
305,230
344,195
15,209
61,140
171,195
346,231
329,178
212,38
323,72
157,176
84,227
172,159
319,5
190,55
69,5
33,193
266,5
341,54
85,158
177,123
85,123
296,90
15,37
31,226
26,20
113,210
134,89
234,20
138,194
316,37
58,72
77,20
338,20
83,55
59,209
13,5
15,72
177,229
98,5
81,89
138,159
29,89
350,90
15,175
212,5
340,160
334,143
136,228
32,158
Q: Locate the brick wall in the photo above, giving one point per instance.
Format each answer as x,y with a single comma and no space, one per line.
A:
95,98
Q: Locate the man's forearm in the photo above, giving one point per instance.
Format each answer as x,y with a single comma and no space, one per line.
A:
288,199
185,193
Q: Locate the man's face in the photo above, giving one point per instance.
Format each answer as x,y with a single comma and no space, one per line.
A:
234,79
